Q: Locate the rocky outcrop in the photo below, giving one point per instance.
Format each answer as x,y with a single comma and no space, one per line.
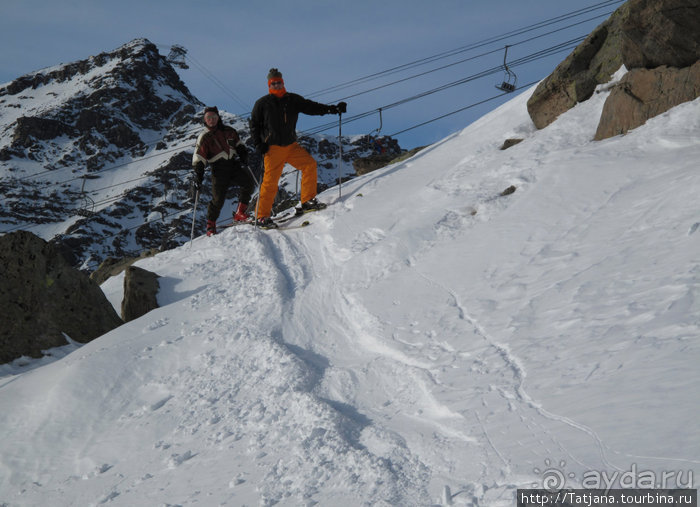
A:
643,94
365,165
659,32
509,143
112,266
42,298
140,293
640,34
38,128
127,85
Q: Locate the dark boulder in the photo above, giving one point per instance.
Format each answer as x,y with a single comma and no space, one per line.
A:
140,293
43,298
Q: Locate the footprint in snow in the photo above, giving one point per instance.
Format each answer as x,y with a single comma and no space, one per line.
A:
178,459
159,404
367,239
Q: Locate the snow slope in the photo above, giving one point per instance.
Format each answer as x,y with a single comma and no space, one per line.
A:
424,341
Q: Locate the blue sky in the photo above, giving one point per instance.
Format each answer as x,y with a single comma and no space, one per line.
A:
316,44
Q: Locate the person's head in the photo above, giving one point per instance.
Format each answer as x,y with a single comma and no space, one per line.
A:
211,117
275,83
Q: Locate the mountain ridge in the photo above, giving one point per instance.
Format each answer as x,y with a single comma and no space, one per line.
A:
105,143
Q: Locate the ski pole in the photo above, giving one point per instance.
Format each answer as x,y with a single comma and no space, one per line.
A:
340,160
194,216
253,175
257,203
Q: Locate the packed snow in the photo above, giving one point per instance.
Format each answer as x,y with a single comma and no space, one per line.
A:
424,341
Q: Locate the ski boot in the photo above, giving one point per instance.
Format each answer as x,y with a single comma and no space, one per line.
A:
211,227
310,205
240,215
266,223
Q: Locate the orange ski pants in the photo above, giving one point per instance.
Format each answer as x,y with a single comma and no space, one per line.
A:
275,159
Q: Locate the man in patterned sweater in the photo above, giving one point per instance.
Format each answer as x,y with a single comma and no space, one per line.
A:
220,147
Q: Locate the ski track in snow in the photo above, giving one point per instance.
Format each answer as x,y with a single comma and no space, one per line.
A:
423,342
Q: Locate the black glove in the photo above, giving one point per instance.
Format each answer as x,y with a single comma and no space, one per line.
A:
262,148
340,108
242,153
198,176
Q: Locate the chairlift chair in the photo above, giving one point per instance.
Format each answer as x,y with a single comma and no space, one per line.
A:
375,133
509,79
87,206
381,123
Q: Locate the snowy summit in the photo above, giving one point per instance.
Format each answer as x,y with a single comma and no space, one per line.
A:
424,341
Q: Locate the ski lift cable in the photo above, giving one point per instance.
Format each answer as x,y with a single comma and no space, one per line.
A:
458,110
472,105
354,118
124,164
218,82
472,46
226,89
527,59
76,167
476,45
498,50
548,22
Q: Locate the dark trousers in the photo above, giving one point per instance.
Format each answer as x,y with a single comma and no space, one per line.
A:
223,177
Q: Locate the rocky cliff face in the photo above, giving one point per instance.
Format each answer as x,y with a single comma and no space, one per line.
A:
109,100
643,94
71,138
96,154
641,34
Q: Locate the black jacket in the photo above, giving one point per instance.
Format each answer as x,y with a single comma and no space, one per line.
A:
274,119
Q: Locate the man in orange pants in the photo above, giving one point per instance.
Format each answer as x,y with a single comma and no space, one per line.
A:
273,129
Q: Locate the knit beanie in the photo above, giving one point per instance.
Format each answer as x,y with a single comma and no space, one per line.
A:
212,109
276,76
273,74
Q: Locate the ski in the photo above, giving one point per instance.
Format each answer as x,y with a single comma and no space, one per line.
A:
299,213
293,226
282,222
285,226
235,224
